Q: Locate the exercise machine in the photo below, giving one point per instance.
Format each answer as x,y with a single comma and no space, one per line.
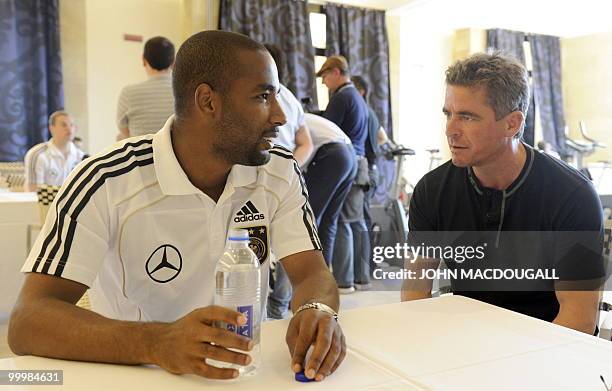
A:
389,219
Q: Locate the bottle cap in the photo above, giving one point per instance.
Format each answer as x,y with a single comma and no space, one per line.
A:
238,235
302,378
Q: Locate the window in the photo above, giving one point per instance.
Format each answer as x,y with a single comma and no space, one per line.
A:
318,32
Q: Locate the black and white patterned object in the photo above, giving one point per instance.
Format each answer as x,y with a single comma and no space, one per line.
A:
46,194
607,242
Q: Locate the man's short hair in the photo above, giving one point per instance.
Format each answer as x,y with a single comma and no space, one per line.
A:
55,115
279,58
360,84
159,53
505,80
209,57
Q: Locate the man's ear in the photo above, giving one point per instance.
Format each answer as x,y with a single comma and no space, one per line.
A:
206,100
514,121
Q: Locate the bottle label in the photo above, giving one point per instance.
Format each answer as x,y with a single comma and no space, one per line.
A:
247,329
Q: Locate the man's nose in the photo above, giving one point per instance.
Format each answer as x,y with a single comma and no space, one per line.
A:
277,116
452,127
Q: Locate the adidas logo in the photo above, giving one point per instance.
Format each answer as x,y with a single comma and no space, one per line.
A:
248,213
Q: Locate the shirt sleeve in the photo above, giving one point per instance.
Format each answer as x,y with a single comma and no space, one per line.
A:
35,167
579,237
75,237
122,110
293,228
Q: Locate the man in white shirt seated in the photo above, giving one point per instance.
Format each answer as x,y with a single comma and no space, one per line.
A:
50,163
143,224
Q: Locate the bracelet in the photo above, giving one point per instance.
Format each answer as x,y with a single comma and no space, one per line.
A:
317,306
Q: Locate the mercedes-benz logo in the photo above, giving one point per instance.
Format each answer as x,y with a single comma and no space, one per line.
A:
164,264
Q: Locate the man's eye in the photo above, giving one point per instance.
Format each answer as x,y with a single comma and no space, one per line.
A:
467,118
264,97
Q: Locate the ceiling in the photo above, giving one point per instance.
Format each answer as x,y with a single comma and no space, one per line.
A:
565,18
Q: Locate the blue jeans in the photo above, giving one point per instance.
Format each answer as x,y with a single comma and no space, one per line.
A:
328,179
280,297
351,254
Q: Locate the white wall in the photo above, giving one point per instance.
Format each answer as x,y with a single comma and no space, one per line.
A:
425,52
587,88
112,62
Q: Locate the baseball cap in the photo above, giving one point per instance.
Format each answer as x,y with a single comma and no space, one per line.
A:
334,62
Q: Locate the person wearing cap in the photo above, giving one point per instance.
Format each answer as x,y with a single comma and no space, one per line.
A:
144,107
525,209
142,225
348,110
294,136
51,162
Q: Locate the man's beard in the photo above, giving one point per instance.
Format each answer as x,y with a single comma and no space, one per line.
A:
230,147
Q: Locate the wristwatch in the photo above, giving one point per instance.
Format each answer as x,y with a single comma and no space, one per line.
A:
317,306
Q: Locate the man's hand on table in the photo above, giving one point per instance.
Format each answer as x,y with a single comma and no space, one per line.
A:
320,330
183,346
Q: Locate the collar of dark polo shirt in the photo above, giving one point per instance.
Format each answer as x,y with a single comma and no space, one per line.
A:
492,216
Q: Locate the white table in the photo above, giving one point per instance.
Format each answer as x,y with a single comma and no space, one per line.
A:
17,212
442,344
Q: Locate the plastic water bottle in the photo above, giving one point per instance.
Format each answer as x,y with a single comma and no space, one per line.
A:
238,287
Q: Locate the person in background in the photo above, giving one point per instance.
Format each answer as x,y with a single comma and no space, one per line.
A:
295,137
329,176
348,110
144,107
50,163
143,224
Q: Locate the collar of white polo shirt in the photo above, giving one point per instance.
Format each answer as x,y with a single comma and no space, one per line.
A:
174,181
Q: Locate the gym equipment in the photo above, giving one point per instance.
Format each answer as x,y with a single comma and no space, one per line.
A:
577,150
389,220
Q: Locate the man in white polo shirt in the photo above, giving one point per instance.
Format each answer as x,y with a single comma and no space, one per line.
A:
143,224
50,163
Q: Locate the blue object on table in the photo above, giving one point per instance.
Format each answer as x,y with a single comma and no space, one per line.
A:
302,378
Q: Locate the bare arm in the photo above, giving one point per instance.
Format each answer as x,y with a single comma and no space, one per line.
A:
46,322
303,146
578,310
123,134
418,288
312,282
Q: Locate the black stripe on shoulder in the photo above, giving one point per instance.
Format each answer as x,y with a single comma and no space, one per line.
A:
73,222
67,190
283,155
307,212
281,148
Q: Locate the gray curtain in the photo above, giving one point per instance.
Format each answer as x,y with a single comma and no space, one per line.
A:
546,58
284,23
511,43
360,35
508,42
30,73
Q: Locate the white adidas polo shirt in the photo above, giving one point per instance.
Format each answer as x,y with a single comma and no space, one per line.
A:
45,164
130,225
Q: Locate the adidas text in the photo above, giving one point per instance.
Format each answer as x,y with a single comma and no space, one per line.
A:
251,217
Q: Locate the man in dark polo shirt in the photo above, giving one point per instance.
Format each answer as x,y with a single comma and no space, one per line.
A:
348,110
530,209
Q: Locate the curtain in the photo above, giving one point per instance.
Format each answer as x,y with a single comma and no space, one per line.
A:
30,73
360,35
546,59
511,43
284,23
